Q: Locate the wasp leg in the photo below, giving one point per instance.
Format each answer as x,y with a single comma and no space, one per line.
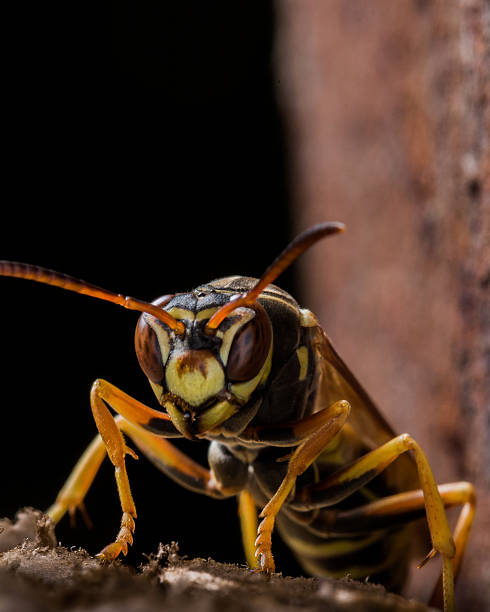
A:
164,455
116,450
247,511
174,463
332,421
392,511
401,509
110,441
286,434
73,493
134,411
456,494
345,481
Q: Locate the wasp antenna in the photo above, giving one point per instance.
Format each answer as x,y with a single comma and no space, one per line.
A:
294,249
15,269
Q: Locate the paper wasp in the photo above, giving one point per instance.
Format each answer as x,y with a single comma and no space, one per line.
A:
292,432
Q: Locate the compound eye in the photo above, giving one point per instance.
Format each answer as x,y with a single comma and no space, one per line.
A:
250,347
148,344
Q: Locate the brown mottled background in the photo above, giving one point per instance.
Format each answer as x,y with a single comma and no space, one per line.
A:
387,107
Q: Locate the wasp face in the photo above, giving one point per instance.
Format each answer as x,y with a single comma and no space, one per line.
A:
203,377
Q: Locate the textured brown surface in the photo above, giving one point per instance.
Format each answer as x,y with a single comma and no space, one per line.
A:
38,576
387,105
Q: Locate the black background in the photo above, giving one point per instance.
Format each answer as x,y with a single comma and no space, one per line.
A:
144,151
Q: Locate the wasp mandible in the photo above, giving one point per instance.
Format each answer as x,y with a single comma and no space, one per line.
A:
239,363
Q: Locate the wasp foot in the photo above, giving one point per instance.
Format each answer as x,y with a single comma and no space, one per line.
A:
263,545
124,537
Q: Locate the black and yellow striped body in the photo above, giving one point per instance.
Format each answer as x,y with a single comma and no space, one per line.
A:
289,395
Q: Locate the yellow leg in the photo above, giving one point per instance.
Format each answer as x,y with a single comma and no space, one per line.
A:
389,511
464,492
116,450
247,511
375,462
110,441
78,483
334,418
404,507
134,411
455,494
174,463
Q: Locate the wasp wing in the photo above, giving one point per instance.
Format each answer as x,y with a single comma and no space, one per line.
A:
335,382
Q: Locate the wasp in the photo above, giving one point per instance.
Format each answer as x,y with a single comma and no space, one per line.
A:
239,363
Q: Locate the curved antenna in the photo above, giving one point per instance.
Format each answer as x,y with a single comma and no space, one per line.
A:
50,277
294,249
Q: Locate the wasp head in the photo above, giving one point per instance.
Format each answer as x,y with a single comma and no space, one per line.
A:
209,350
204,376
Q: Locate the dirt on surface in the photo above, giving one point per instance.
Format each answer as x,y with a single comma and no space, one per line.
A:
37,575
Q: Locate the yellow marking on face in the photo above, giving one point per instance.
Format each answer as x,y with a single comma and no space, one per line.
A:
181,313
157,389
195,376
162,336
245,389
302,354
228,336
213,417
207,313
177,417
